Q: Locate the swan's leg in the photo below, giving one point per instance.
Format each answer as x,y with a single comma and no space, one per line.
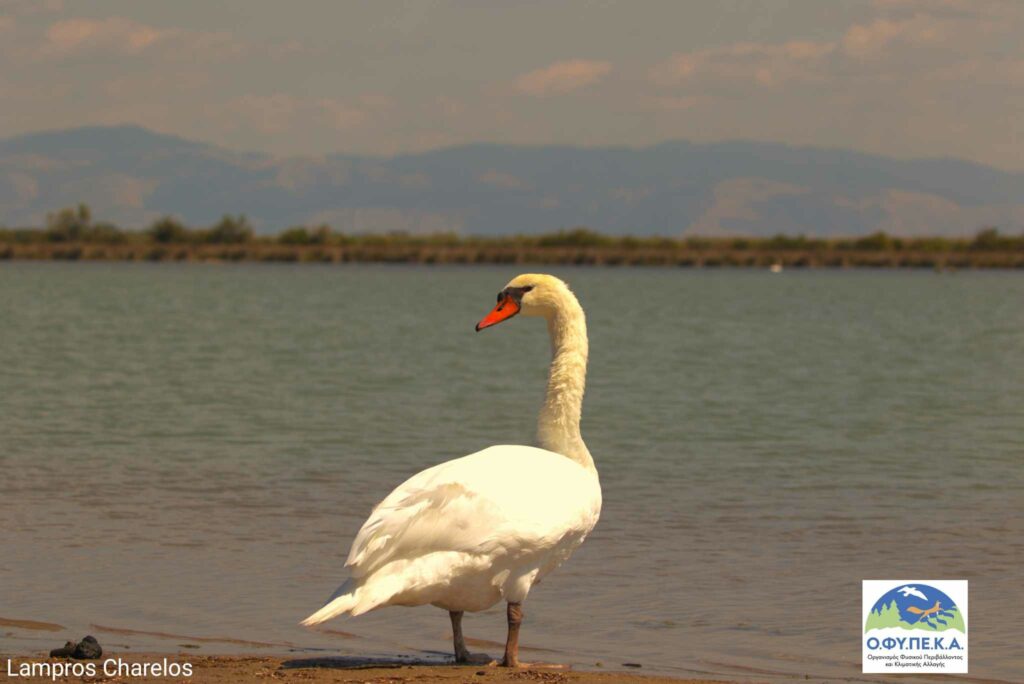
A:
515,618
461,653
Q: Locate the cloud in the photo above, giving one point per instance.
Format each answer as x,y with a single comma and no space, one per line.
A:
891,77
562,77
920,47
121,36
901,39
766,64
955,26
114,34
865,41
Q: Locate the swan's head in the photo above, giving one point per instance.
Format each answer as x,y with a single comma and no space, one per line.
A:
531,294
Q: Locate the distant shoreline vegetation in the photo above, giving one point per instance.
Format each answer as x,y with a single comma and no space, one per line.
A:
71,234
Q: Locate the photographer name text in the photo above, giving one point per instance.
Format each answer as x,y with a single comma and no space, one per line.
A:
111,667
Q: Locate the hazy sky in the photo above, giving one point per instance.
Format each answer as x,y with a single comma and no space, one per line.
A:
898,77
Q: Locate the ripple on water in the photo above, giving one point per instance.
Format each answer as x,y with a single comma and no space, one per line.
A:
200,444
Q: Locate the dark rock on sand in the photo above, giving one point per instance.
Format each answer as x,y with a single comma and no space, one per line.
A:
86,649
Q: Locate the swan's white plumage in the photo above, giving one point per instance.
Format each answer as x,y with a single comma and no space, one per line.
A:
470,532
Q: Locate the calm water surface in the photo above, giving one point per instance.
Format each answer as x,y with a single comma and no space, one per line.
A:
189,450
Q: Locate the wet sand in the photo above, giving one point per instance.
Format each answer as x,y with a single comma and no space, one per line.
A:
222,669
31,625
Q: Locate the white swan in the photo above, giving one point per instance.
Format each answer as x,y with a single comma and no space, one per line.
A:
469,532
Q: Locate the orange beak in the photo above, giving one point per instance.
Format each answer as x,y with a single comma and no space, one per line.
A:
507,308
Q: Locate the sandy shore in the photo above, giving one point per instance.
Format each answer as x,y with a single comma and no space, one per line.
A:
222,669
121,664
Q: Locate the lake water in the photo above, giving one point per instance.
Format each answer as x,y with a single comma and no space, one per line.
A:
189,450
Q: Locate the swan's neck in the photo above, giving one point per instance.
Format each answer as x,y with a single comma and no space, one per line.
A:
558,428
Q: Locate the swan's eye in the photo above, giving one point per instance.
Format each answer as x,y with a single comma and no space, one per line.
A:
526,288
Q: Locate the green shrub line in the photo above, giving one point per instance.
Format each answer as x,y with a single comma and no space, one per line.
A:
72,233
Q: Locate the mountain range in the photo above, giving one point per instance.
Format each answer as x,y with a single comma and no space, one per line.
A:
130,176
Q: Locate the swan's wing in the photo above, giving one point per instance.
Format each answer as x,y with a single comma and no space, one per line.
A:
417,520
475,504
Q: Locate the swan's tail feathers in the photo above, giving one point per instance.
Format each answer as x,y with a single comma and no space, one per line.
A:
344,600
393,584
356,597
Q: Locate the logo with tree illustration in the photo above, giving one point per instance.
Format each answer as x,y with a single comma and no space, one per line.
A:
917,606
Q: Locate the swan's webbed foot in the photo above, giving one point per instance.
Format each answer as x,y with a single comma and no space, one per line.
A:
467,658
